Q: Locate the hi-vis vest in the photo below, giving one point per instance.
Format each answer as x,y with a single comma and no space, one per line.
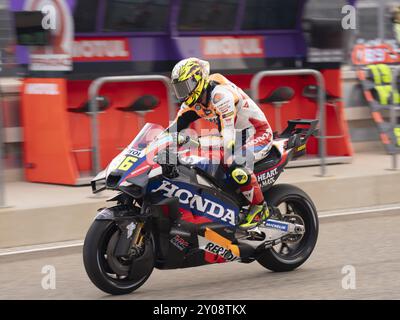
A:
384,92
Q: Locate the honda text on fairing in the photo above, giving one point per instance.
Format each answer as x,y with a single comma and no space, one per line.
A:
185,214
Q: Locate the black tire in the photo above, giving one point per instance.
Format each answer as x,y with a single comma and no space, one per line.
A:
285,193
97,268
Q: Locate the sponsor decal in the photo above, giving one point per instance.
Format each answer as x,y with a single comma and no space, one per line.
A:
101,49
261,139
196,203
57,56
134,152
276,225
217,97
179,242
224,107
232,47
227,115
267,178
139,171
372,52
130,228
50,89
302,147
193,159
213,119
249,194
221,251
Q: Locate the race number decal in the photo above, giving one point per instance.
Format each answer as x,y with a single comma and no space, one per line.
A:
127,163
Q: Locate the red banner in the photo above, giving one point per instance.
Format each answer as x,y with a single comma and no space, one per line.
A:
370,53
233,47
101,49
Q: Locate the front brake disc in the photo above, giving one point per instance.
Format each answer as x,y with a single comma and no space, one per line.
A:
119,266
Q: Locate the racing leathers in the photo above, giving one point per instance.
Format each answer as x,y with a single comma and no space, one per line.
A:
231,108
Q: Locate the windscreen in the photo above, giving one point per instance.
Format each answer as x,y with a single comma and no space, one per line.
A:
147,135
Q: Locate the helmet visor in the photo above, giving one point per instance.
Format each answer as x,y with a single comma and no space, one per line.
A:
183,89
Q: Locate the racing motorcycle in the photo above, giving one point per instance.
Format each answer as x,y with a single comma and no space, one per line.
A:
186,214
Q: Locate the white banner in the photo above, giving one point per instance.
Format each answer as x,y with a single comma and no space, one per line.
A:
58,19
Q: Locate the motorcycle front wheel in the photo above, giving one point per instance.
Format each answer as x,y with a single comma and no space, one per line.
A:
107,272
297,207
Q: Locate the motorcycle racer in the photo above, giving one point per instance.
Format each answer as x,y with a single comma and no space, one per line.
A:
216,99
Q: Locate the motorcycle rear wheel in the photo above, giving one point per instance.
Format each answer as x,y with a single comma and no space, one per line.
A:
298,203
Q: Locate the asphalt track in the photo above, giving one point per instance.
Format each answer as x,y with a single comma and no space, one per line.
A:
368,242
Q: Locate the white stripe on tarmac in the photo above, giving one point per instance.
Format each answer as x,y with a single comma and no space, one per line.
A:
75,244
41,248
361,211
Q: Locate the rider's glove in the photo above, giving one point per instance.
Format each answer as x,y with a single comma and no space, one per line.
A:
179,139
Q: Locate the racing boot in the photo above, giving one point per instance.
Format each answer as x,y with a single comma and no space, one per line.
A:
256,215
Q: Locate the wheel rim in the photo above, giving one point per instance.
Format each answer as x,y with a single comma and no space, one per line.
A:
302,211
109,269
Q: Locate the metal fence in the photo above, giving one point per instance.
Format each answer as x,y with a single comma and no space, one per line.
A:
98,83
2,171
393,117
321,99
93,93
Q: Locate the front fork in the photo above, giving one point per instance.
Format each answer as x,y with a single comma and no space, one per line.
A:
137,239
131,221
131,240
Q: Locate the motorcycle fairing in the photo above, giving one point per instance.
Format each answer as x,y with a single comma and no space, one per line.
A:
212,169
267,172
137,157
219,247
204,215
182,244
196,200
